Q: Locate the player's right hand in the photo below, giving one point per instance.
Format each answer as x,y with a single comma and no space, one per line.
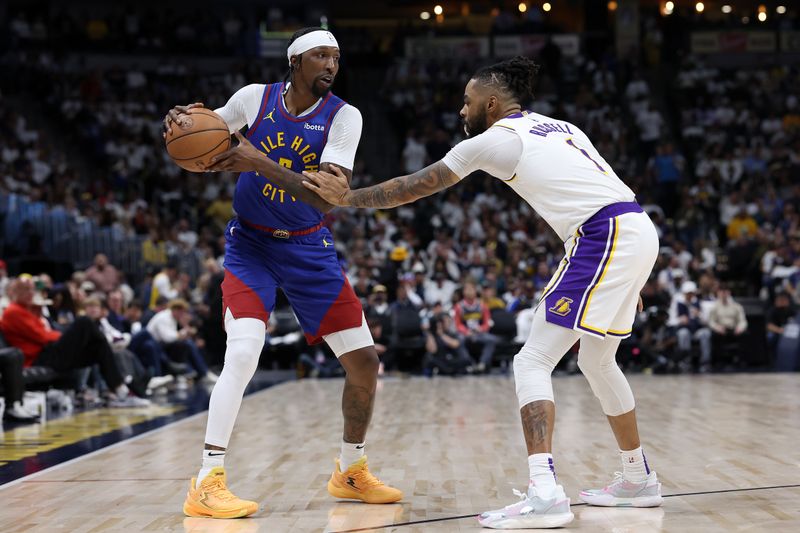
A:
174,115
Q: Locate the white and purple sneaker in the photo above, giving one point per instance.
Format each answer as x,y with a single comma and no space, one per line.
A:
531,512
623,493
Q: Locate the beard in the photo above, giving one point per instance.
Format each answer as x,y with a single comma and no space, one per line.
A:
320,90
477,125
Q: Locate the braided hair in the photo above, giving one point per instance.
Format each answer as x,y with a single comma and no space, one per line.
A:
515,76
296,35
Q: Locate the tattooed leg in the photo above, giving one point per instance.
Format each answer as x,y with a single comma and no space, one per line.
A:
537,424
358,396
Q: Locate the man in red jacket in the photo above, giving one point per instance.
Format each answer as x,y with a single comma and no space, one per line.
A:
82,344
473,320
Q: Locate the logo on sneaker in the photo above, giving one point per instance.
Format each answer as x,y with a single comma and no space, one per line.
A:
215,454
351,482
360,447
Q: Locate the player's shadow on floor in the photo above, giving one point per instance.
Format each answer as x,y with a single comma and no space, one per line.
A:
344,516
213,525
590,518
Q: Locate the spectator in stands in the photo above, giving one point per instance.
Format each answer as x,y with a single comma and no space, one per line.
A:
666,169
4,279
103,274
742,225
691,326
133,318
658,341
11,362
115,310
440,290
382,343
81,345
403,300
166,284
781,311
728,322
490,299
445,352
221,210
120,342
154,250
523,296
378,305
473,321
171,328
415,155
62,309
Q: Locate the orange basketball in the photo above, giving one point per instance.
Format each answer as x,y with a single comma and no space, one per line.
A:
202,135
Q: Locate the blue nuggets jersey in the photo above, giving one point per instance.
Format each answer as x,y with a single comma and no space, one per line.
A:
292,142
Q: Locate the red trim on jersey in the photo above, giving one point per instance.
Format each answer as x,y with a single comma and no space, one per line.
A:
289,116
328,123
261,110
344,313
241,299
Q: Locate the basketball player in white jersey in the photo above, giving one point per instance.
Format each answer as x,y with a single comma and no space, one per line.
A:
611,246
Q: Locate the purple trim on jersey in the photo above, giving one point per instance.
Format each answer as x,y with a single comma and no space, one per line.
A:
330,120
516,115
261,110
615,210
289,116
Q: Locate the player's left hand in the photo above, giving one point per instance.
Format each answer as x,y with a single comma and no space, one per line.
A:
240,158
333,188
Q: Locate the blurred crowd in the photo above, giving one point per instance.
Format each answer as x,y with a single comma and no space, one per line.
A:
109,342
449,283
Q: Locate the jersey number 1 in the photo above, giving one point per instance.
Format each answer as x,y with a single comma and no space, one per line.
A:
584,152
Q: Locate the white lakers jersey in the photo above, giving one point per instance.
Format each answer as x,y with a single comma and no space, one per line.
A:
558,171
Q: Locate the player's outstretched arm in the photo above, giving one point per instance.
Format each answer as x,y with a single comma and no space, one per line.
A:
335,188
244,157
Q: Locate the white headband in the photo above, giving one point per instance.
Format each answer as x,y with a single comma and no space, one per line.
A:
310,40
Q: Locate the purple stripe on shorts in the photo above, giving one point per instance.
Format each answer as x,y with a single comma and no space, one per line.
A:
565,301
602,269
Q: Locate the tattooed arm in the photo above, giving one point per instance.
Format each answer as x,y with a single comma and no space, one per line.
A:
334,187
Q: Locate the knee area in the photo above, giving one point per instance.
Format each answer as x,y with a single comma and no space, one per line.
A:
532,379
362,366
590,364
532,360
243,353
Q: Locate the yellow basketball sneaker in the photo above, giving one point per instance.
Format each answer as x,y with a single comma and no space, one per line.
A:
357,483
211,498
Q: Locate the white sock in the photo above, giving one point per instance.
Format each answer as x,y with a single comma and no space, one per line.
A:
211,459
351,453
543,473
634,465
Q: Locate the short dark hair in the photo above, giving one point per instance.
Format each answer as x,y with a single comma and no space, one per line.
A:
516,76
296,35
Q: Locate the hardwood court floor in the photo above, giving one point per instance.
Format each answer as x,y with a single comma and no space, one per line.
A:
455,447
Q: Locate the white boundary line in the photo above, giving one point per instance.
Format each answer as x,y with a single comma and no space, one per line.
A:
120,443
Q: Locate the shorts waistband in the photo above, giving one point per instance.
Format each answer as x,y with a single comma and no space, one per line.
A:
615,210
282,233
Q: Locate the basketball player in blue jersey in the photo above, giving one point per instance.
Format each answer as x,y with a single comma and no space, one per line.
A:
610,244
278,240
